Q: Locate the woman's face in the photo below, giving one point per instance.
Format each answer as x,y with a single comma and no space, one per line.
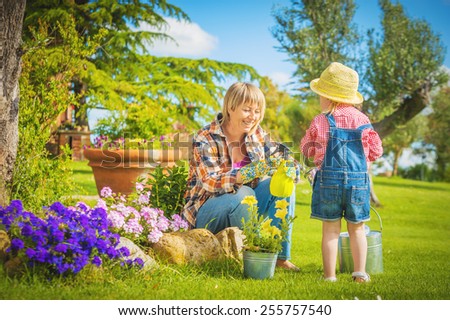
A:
244,118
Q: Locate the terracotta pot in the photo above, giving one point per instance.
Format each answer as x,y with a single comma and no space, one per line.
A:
119,169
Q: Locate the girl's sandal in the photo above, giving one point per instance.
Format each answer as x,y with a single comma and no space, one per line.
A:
360,277
330,279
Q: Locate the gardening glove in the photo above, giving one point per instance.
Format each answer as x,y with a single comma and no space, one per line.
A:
254,170
282,182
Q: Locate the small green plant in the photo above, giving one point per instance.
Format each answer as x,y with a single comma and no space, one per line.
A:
260,234
167,186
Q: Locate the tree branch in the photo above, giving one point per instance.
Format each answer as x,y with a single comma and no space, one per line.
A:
410,107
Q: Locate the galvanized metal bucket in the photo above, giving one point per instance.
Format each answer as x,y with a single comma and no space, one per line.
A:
259,265
374,261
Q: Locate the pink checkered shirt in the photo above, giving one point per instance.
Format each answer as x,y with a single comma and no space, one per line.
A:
314,143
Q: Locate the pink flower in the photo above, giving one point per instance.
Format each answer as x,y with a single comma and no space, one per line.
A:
163,224
106,192
154,236
139,187
143,199
102,204
178,223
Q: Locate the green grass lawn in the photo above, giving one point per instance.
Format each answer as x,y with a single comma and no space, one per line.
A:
416,256
83,178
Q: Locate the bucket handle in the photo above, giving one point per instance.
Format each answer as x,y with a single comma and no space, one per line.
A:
379,217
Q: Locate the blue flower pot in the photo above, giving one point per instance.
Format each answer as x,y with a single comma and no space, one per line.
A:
259,265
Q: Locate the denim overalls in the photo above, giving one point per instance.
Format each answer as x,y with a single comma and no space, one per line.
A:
341,187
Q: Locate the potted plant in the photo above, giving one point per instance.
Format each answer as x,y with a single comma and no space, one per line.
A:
262,241
117,164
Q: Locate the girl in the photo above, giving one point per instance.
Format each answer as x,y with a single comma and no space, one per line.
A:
341,142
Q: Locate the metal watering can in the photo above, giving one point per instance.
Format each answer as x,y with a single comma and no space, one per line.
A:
374,261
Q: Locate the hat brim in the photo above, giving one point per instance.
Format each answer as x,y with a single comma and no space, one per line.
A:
358,99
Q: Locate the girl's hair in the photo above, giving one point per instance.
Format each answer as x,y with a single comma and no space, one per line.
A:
335,104
243,94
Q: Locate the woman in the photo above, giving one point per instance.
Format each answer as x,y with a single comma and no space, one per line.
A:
218,175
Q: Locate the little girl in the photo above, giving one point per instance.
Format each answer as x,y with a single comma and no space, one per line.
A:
341,141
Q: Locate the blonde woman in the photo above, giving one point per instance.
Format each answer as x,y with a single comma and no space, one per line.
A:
341,141
219,178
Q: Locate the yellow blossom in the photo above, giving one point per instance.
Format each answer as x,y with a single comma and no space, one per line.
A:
250,201
281,204
281,213
275,232
265,227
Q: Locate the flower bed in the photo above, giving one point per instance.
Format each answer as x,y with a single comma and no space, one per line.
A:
133,216
65,241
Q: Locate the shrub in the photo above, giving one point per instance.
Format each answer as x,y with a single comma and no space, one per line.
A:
167,186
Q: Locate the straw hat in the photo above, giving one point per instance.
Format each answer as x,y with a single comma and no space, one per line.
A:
338,83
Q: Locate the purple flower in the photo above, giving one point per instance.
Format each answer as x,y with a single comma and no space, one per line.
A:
57,207
30,253
124,251
26,231
61,247
139,262
17,244
17,205
97,261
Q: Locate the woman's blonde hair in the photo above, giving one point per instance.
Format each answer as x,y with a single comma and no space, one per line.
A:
243,94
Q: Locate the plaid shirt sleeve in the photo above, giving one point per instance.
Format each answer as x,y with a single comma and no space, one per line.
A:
373,147
213,170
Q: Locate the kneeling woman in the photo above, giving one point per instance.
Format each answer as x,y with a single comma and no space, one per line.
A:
222,151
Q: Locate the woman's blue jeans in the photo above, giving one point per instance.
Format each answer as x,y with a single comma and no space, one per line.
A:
226,210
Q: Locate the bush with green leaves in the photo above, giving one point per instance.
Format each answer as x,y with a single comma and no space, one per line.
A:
167,186
40,179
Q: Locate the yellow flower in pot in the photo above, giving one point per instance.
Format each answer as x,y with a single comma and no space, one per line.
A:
263,240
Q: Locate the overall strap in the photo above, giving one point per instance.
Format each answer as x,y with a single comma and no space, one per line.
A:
331,120
365,126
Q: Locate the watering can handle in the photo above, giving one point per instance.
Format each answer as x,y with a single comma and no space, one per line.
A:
379,217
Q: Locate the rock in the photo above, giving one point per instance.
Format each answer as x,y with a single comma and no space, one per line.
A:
4,244
193,246
14,267
136,252
231,240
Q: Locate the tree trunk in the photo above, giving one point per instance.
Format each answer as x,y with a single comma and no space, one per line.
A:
81,118
395,164
11,19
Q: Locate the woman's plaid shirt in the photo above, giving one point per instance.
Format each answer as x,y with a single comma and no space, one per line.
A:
210,168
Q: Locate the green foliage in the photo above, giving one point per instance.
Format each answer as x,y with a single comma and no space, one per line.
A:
167,187
420,172
315,33
148,95
403,137
439,124
405,57
46,74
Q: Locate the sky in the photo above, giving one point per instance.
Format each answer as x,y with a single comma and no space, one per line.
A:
239,31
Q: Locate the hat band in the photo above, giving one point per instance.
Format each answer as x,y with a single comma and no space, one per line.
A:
334,89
